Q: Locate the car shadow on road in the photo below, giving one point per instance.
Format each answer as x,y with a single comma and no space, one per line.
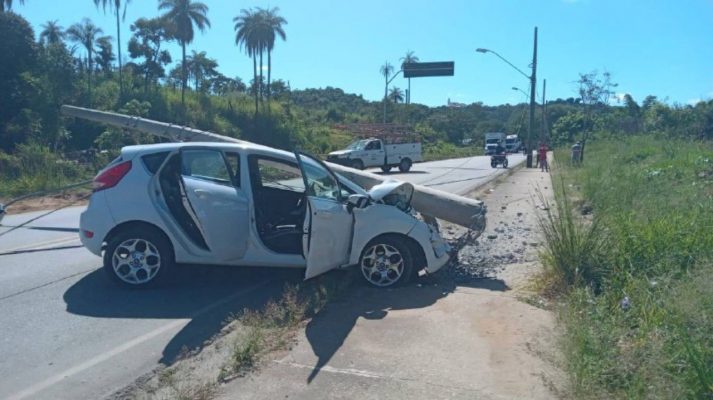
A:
207,295
327,331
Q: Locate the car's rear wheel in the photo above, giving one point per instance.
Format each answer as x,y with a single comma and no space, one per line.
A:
386,168
386,261
405,165
138,257
505,163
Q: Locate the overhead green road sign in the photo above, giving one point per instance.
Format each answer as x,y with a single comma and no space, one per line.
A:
417,70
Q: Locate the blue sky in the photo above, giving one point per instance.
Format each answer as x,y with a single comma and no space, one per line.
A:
658,47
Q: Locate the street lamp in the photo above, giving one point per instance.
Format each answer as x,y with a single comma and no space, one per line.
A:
521,91
533,87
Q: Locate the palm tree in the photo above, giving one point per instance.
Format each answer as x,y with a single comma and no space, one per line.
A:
273,25
105,55
408,58
7,5
52,33
182,14
116,6
386,70
247,35
201,68
85,33
396,95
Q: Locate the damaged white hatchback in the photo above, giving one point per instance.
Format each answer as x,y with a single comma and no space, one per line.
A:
250,205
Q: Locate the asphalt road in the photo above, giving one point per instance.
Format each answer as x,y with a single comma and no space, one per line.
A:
66,332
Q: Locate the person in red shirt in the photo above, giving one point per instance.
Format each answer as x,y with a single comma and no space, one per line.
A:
544,165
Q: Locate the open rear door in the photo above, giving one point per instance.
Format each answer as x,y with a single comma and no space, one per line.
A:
329,225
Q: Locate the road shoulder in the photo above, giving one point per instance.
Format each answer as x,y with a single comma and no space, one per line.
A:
473,331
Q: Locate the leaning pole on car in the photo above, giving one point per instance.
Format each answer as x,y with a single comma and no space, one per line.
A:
459,210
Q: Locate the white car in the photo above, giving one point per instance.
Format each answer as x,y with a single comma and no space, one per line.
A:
234,204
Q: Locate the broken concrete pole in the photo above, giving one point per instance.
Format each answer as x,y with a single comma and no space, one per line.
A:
459,210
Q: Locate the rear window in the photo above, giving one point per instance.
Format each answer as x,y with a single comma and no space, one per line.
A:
154,161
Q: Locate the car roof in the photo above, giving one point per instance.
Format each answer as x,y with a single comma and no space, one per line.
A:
245,147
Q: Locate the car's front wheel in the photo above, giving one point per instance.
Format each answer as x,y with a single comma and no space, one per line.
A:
138,258
386,261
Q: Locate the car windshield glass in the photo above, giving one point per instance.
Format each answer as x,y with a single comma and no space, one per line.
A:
492,141
357,145
509,140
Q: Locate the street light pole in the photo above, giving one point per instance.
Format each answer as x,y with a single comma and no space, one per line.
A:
533,86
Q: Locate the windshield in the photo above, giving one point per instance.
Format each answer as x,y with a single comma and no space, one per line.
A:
509,141
492,141
357,145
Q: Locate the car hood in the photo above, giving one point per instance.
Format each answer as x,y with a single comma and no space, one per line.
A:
393,192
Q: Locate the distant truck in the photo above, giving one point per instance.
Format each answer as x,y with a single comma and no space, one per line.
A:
492,139
513,144
374,152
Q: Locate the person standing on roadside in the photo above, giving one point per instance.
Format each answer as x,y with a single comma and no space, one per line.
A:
576,153
542,155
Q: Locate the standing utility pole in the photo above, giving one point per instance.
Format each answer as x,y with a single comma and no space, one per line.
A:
543,134
533,88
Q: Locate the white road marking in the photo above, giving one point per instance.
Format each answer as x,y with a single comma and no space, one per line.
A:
327,368
38,387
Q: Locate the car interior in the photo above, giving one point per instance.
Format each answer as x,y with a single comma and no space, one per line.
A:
280,203
174,194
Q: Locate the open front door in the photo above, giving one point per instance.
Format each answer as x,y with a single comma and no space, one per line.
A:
328,225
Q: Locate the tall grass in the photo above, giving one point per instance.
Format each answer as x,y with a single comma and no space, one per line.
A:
33,167
650,241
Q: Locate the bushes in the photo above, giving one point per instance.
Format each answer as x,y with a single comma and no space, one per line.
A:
34,167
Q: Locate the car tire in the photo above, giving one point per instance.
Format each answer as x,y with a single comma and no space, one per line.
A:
138,257
505,163
386,168
357,164
405,165
387,261
493,164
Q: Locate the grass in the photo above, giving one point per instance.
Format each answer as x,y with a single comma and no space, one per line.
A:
33,168
444,150
272,328
650,240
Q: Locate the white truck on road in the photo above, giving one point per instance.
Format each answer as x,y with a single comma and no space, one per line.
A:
513,144
374,152
492,139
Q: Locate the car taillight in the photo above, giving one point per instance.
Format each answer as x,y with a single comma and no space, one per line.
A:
111,177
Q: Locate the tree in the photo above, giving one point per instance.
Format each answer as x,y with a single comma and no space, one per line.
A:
85,33
386,70
116,6
105,54
51,33
248,35
595,92
410,57
202,69
7,5
146,42
396,95
181,15
273,28
15,86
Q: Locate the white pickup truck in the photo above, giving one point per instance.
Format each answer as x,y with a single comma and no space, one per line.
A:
374,152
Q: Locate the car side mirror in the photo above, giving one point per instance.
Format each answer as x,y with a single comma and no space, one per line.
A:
357,201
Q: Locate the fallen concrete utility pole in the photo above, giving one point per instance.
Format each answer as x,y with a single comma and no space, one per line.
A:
459,210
